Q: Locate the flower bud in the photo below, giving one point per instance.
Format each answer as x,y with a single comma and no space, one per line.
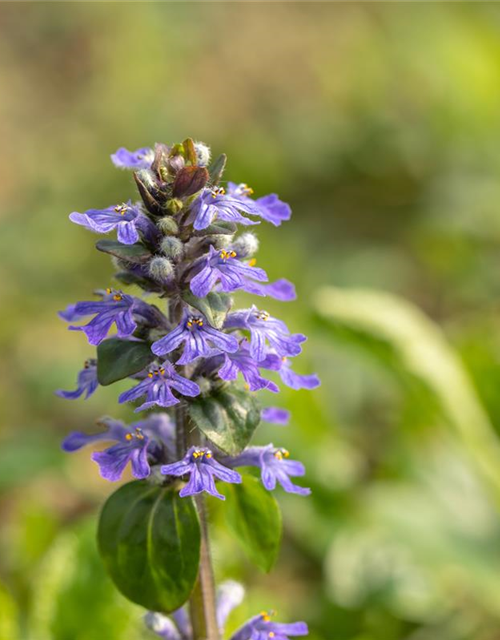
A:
168,226
246,245
172,247
202,153
175,205
204,384
161,269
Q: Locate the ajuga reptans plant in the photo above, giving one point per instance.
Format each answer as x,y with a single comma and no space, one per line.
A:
195,364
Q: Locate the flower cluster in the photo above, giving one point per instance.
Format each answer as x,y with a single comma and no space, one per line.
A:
179,242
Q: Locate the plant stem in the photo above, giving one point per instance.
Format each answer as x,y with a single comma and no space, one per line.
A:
202,604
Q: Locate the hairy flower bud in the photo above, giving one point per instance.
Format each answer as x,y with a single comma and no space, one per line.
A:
175,205
204,384
161,269
172,247
202,153
168,226
246,245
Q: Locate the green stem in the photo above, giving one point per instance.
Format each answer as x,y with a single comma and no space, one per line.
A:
202,604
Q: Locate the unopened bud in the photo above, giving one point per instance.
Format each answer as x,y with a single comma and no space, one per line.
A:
161,269
168,226
218,241
246,245
172,247
204,384
202,153
175,205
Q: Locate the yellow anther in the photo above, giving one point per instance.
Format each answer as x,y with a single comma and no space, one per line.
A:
138,433
129,436
218,191
225,255
109,290
162,370
262,315
252,262
271,634
208,454
189,324
121,208
117,297
278,455
245,190
266,615
150,375
286,453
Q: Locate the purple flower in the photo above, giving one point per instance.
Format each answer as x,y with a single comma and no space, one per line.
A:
157,387
275,415
202,468
296,380
281,289
264,328
126,218
115,307
242,362
214,204
133,444
223,266
261,627
196,333
275,466
140,159
269,207
86,382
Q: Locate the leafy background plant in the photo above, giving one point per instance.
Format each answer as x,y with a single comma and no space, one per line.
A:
380,125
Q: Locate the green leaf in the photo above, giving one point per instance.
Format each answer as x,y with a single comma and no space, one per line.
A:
149,540
254,517
214,306
228,418
400,336
118,359
133,253
217,169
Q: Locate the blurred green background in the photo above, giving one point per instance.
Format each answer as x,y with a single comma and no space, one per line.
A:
380,124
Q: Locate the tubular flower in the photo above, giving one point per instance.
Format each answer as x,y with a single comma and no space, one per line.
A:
214,204
140,159
86,382
126,218
197,336
296,380
133,444
116,308
269,208
264,328
261,627
274,465
224,267
242,362
275,415
202,468
157,387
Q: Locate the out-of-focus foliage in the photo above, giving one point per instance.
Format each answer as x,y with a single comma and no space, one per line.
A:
380,124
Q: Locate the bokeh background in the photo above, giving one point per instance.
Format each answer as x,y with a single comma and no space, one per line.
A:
380,124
